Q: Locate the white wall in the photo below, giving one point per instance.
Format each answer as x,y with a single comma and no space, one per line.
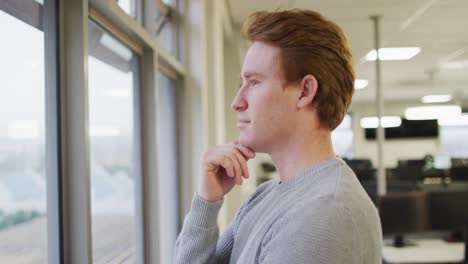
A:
191,125
221,67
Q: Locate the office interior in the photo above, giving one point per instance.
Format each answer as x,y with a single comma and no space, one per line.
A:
107,106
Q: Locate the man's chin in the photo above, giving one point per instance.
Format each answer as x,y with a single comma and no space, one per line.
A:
247,142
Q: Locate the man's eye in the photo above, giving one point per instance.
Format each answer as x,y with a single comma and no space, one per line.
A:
254,82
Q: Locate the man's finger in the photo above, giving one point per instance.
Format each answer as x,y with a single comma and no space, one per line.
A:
243,162
236,165
226,163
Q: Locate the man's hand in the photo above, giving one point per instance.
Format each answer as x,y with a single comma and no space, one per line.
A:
222,168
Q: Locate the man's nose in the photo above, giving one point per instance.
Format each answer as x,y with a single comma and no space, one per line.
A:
239,103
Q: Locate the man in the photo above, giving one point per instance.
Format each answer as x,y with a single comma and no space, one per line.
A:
298,81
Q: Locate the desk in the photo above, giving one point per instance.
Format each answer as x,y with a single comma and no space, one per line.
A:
425,251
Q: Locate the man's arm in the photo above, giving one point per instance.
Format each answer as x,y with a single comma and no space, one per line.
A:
222,167
198,241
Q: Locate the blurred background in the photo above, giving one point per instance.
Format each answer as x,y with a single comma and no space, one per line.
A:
107,106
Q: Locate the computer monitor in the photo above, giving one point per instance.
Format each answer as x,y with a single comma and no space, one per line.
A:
459,162
410,170
412,163
402,213
396,182
459,170
459,173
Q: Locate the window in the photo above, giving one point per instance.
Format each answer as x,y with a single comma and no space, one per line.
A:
113,80
167,38
343,138
166,28
453,137
23,222
167,146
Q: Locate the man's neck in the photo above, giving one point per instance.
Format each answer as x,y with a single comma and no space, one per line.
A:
301,153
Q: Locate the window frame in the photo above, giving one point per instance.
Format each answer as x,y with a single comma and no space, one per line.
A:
70,240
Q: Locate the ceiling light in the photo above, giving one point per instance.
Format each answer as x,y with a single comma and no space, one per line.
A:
360,84
455,65
387,121
393,53
436,98
460,120
432,112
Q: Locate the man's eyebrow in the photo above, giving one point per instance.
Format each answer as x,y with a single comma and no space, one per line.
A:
248,75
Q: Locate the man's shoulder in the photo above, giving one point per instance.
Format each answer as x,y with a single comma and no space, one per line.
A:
338,186
336,194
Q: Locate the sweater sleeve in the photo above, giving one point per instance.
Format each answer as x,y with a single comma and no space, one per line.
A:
317,234
198,241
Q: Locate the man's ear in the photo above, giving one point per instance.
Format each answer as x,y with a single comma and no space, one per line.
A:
309,87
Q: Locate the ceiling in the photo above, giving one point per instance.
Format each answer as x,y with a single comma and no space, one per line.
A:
439,27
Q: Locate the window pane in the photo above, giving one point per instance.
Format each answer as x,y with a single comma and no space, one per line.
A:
129,6
343,138
453,138
23,222
113,76
167,144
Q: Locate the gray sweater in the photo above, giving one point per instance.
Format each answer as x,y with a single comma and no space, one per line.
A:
320,216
